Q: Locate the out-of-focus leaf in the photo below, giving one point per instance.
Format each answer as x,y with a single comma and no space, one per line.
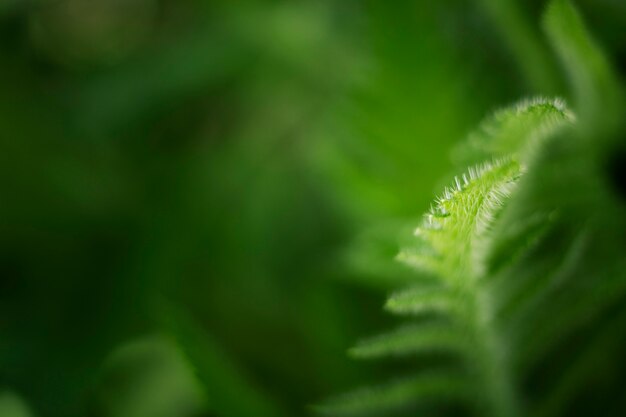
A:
230,391
597,92
11,405
530,52
149,378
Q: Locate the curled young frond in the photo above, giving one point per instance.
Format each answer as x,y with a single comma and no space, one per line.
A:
517,129
452,229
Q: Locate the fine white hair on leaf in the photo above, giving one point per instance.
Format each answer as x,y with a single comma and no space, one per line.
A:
463,214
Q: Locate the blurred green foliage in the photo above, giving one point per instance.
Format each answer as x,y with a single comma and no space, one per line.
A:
195,195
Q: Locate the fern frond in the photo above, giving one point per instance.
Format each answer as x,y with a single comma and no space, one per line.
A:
427,299
414,339
423,390
452,230
576,307
528,252
449,245
517,240
517,128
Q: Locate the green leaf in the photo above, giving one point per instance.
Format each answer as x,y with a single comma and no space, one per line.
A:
149,377
12,405
519,128
449,244
530,270
427,388
596,89
230,391
426,299
414,339
598,353
456,243
531,54
450,236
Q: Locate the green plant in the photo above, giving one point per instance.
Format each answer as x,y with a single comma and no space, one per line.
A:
519,307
